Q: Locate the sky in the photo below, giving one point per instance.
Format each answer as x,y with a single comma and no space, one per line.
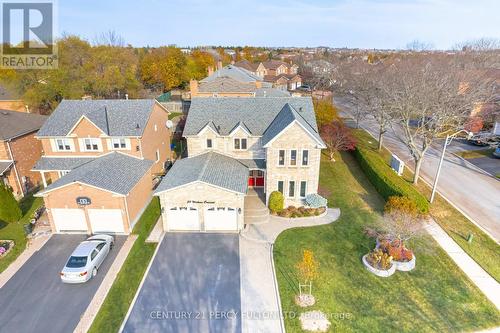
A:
382,24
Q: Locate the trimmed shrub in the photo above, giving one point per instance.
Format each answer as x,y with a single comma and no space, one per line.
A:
386,181
276,202
401,204
9,208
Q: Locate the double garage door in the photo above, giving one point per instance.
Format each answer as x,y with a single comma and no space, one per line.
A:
214,219
101,220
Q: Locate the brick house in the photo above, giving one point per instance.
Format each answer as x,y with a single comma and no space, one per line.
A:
280,74
19,150
101,157
236,144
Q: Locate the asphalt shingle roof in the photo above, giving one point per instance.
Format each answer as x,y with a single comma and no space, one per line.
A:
258,163
257,113
126,117
114,172
4,165
14,124
285,117
226,84
234,72
60,163
211,168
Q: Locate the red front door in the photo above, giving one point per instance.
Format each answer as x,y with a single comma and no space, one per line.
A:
251,181
256,178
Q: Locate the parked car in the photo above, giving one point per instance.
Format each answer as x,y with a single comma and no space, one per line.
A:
86,259
496,153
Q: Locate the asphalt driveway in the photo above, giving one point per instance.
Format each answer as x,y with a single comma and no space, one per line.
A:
35,299
193,285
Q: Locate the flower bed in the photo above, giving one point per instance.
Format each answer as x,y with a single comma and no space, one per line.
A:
5,247
295,212
379,263
403,258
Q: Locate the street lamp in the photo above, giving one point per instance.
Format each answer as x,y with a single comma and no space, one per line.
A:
447,142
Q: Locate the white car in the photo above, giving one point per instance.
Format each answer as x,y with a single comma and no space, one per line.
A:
86,259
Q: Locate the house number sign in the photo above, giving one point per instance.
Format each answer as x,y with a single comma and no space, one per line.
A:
83,201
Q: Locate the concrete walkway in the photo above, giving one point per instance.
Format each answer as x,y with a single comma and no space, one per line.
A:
488,285
260,302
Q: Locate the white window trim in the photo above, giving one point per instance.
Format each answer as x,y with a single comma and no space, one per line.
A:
302,157
83,146
55,145
278,187
296,158
240,149
284,159
294,189
112,146
300,186
206,143
158,157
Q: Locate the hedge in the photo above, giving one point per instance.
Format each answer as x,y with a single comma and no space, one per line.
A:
386,181
9,207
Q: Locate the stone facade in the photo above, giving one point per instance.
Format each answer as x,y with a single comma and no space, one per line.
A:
201,195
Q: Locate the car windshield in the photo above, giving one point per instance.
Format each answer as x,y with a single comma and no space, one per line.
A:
76,262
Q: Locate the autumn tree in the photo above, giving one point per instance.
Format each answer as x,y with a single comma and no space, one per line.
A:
197,64
307,269
401,219
164,67
337,137
325,111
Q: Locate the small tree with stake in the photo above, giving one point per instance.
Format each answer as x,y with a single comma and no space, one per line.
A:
337,137
308,271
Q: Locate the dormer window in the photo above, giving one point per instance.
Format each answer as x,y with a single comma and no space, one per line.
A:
119,143
240,144
209,143
91,144
63,144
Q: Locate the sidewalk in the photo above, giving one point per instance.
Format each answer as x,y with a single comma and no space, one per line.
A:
260,302
488,285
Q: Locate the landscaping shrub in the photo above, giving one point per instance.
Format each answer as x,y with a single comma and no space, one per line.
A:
379,259
276,201
401,204
386,181
9,207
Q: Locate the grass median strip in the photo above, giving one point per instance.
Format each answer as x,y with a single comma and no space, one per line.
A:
468,154
117,302
483,249
436,296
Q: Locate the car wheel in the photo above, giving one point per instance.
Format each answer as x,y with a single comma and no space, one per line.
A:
94,272
111,245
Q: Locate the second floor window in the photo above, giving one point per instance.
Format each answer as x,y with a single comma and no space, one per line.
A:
63,144
281,157
119,143
305,157
209,143
293,157
91,144
240,144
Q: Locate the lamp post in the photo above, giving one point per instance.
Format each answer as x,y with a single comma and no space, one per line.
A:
447,142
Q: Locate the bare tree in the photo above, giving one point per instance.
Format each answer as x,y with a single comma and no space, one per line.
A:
109,38
428,98
418,45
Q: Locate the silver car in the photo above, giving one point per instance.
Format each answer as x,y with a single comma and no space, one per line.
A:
86,259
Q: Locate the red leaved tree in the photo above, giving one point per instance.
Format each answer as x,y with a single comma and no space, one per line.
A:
337,137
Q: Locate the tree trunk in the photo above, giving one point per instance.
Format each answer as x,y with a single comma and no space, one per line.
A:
380,139
331,156
416,175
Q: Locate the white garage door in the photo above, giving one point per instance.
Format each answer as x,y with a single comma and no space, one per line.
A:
69,219
106,220
183,218
221,219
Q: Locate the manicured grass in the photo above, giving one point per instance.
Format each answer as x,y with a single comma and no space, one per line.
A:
15,231
435,297
468,154
117,302
483,249
174,114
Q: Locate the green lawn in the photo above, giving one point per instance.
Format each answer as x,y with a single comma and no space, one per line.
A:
115,306
15,231
484,250
174,114
468,154
436,296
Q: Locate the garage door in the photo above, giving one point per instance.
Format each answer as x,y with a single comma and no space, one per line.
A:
69,219
221,219
106,220
183,218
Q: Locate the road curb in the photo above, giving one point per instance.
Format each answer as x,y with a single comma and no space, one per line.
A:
475,166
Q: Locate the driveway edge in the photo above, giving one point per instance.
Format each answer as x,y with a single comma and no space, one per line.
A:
90,313
122,326
276,287
14,266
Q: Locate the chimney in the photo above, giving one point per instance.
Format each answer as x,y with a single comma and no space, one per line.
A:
210,70
193,87
126,96
219,64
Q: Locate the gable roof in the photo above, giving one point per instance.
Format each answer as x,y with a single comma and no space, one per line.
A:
125,117
247,65
211,168
285,117
257,113
60,163
274,64
226,84
234,72
114,172
14,124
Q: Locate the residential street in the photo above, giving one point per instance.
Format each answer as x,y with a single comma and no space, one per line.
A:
35,299
467,187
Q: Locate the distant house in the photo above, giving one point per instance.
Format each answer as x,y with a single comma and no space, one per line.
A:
9,101
19,150
281,75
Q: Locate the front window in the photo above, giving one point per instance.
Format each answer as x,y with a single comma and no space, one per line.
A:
293,157
305,157
91,144
209,143
281,157
240,144
76,262
63,144
291,189
119,143
303,187
281,184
